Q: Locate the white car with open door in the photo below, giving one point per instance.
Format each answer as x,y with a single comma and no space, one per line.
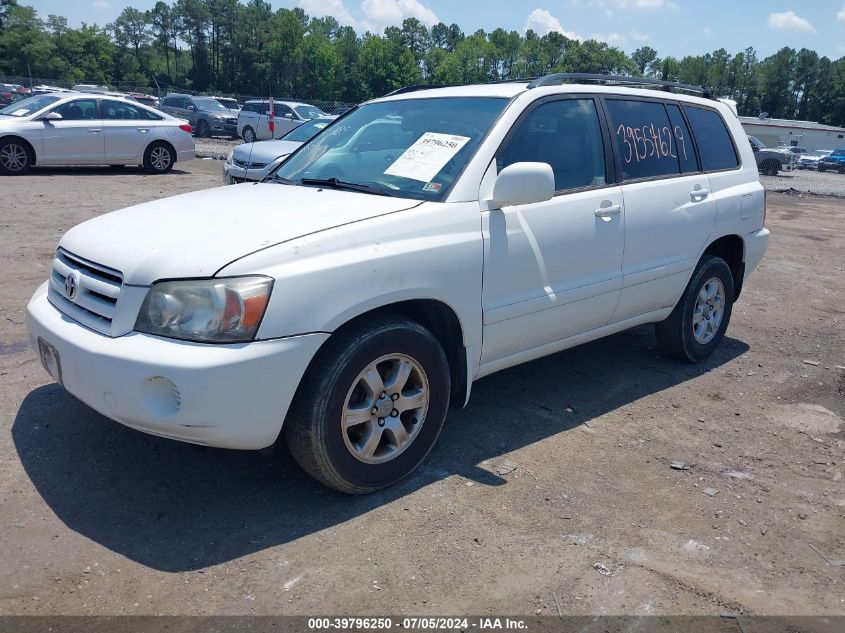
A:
90,129
346,304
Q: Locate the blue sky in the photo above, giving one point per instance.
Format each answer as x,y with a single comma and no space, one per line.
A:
675,27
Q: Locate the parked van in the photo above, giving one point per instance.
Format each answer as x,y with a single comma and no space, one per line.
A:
254,118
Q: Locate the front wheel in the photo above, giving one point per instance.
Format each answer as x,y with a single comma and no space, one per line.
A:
249,135
371,406
202,131
15,158
770,168
697,324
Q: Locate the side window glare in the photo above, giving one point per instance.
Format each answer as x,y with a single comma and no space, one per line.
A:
566,135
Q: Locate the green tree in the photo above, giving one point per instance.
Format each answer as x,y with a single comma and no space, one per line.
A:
643,58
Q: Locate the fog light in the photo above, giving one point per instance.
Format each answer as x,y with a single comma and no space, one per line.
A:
161,397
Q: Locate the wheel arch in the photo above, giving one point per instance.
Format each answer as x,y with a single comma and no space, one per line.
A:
161,141
731,248
33,154
442,321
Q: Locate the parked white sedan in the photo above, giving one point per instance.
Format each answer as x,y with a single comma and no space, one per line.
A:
86,129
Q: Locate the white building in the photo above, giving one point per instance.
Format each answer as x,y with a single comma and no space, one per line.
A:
806,134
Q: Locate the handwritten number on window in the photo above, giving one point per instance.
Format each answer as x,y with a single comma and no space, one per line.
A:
651,142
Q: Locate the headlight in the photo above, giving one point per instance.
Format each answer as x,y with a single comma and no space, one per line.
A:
206,310
229,157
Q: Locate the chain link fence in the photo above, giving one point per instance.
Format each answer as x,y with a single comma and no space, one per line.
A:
160,90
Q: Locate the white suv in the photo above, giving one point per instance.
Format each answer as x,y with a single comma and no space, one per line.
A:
347,304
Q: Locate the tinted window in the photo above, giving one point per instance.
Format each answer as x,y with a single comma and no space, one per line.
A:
648,145
78,110
280,110
566,135
713,139
117,110
681,138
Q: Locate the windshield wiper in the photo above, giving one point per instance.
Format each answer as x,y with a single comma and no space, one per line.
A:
334,183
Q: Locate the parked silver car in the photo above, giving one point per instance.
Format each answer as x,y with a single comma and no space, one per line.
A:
254,120
87,129
253,161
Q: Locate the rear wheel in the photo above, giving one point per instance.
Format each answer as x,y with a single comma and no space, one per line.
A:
249,135
770,167
159,158
371,406
697,324
15,157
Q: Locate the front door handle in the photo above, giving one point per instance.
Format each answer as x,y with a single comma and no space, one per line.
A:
608,212
143,130
698,195
94,130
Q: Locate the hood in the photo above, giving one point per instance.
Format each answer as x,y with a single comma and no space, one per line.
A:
264,151
196,234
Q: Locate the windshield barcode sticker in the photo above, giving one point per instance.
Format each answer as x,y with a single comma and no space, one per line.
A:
427,156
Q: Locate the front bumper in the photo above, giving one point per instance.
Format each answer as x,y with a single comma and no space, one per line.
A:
233,174
230,396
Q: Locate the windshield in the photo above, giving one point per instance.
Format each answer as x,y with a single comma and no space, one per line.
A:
412,148
28,106
229,103
309,111
209,104
306,131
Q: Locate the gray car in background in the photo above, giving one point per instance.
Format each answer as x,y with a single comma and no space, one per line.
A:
206,115
254,161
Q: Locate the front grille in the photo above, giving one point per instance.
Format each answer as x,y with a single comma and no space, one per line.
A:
248,165
96,294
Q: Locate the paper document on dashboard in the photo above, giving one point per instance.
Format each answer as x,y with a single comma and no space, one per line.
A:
427,156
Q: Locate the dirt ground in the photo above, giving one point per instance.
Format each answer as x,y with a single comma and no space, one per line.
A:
555,466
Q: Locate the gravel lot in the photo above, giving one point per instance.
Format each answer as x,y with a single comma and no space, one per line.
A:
829,183
555,466
215,147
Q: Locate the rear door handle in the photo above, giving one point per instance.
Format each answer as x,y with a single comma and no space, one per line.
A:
94,130
608,212
699,194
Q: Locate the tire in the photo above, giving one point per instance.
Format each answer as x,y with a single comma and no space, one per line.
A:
822,169
769,168
15,157
679,335
202,130
159,158
249,135
841,170
372,452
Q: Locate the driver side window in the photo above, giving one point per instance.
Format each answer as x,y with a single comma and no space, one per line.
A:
78,110
565,134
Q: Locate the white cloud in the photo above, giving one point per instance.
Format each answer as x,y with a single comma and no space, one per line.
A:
334,8
100,4
609,6
632,38
840,17
706,31
637,36
788,21
388,12
542,22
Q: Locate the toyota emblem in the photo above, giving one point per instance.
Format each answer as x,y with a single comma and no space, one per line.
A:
72,284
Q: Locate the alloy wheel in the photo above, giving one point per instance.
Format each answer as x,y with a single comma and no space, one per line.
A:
709,310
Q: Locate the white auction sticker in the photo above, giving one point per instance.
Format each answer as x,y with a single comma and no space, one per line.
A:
427,156
20,112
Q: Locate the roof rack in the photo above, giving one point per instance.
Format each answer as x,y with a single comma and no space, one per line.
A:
618,80
414,88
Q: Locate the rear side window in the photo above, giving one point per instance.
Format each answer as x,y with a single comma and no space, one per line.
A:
682,138
125,111
648,144
565,134
712,138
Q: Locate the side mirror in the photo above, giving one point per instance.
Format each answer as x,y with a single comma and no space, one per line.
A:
524,183
192,108
51,116
287,115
